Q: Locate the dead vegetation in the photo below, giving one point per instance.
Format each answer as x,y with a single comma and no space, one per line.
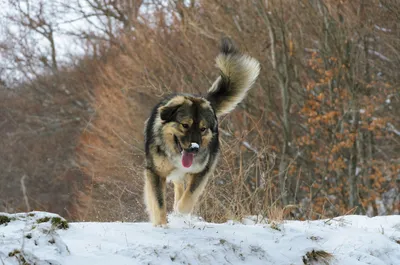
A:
291,150
19,257
4,220
315,257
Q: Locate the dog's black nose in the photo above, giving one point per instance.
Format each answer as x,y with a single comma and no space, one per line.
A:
193,148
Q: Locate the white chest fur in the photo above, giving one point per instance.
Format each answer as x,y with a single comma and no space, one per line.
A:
177,175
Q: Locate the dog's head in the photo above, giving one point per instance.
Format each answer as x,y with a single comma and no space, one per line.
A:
189,125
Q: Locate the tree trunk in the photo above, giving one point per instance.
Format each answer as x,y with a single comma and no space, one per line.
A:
353,190
54,66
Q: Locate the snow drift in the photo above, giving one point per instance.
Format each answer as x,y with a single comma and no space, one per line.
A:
43,238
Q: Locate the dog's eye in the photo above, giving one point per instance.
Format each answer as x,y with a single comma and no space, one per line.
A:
203,129
184,125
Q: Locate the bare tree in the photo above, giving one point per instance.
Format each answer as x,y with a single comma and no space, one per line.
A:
106,18
33,17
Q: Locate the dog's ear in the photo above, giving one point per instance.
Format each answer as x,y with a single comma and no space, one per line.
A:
168,113
169,110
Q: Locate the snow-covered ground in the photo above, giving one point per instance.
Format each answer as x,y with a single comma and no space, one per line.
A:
352,240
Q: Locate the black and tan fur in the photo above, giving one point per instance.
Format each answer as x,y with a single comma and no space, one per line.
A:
182,119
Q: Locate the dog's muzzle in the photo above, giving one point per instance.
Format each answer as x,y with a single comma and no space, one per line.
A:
193,148
188,155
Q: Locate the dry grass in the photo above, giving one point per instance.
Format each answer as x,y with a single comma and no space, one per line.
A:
244,184
96,151
315,257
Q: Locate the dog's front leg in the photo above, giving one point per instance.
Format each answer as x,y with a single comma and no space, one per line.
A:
194,189
155,189
178,192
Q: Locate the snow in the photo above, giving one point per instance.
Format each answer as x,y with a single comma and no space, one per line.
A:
393,129
358,170
352,240
379,55
248,146
382,29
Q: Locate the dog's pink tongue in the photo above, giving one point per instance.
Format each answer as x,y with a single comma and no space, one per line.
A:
187,159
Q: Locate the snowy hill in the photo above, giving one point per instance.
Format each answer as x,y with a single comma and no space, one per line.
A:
43,238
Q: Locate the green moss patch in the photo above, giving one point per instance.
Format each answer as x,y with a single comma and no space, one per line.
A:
43,220
4,219
56,222
59,223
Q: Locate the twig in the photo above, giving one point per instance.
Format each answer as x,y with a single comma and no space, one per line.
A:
24,193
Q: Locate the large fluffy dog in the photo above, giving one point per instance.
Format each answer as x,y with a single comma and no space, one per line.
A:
181,135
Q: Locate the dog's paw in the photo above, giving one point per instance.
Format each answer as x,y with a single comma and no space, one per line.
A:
165,225
160,222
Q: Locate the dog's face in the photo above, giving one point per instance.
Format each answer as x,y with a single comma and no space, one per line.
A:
189,124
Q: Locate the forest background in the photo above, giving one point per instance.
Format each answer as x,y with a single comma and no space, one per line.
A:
318,135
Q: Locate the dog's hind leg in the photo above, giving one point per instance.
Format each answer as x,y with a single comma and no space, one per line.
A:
154,192
178,192
195,187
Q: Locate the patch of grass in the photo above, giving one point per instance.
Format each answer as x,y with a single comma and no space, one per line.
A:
59,223
18,255
43,220
55,221
13,253
320,256
275,226
397,240
31,215
315,238
4,219
276,215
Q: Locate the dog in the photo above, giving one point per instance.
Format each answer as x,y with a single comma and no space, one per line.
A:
181,135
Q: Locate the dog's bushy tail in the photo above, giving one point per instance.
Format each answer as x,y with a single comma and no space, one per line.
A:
238,72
